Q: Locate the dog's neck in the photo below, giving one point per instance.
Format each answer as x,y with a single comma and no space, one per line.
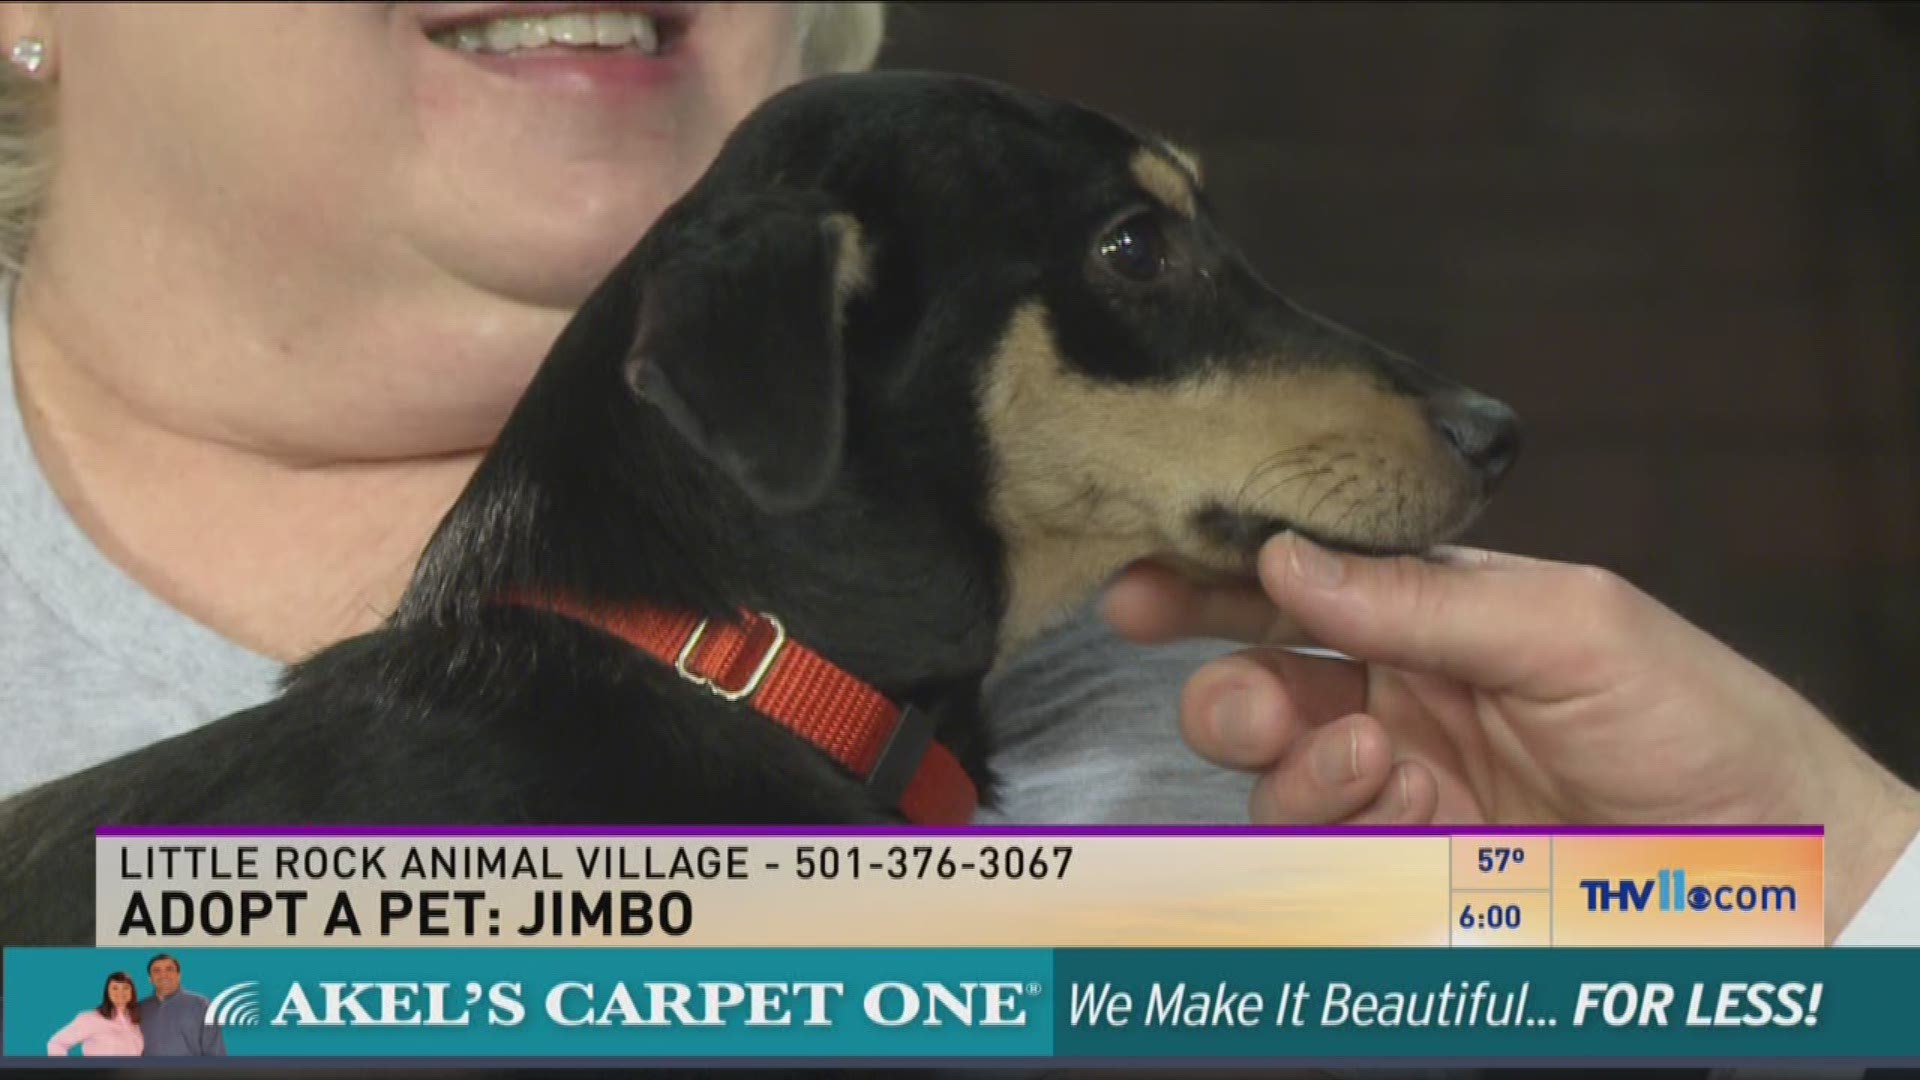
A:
591,494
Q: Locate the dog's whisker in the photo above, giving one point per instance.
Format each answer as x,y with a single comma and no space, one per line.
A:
1325,467
1314,511
1340,522
1275,461
1306,474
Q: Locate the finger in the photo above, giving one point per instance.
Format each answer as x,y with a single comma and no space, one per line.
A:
1150,604
1472,558
1336,771
1409,797
1244,711
1494,629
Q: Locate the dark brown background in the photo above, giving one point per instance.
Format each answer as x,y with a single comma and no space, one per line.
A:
1683,241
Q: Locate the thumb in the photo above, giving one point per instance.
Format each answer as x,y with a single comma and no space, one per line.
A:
1500,626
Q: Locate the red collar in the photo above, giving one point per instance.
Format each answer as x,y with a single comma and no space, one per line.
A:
889,747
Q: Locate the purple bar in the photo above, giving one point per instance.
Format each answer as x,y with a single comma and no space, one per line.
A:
909,831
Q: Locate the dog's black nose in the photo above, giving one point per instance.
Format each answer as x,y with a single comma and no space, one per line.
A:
1483,431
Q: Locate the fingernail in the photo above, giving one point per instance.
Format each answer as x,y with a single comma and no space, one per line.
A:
1336,761
1316,565
1405,788
1233,719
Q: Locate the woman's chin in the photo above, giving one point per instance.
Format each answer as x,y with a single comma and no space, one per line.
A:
544,262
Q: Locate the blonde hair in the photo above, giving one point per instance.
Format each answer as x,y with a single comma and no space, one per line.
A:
840,37
835,37
26,160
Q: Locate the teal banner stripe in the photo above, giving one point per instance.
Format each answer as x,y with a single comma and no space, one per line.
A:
1487,1005
1571,1004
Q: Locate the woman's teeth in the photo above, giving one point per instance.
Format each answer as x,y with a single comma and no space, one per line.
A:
599,30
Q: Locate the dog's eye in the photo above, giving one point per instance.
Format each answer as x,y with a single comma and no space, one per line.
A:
1135,248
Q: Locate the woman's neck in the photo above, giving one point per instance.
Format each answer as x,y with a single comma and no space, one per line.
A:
280,549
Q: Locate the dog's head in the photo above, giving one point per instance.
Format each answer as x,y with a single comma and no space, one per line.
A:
1005,331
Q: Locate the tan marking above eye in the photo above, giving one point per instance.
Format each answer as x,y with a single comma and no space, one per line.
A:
1164,180
1188,160
852,268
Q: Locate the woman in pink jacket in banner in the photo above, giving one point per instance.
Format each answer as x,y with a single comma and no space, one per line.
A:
112,1029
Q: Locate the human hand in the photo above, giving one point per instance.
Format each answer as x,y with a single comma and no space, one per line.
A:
1494,688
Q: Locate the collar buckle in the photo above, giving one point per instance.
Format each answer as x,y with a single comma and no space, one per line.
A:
772,653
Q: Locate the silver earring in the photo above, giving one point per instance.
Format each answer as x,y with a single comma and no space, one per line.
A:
28,54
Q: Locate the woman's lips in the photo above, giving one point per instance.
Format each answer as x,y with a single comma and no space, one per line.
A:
585,31
568,47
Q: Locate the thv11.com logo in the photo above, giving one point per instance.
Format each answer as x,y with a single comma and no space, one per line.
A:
1670,891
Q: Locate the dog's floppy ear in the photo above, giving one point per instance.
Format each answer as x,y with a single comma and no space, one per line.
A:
739,341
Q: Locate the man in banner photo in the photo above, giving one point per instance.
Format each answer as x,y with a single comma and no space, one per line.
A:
175,1021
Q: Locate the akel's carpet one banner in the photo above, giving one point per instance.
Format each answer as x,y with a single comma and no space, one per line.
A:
1352,945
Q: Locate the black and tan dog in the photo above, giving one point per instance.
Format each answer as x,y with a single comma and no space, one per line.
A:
916,365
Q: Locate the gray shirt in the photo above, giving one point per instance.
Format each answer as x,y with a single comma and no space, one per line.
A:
91,664
177,1027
